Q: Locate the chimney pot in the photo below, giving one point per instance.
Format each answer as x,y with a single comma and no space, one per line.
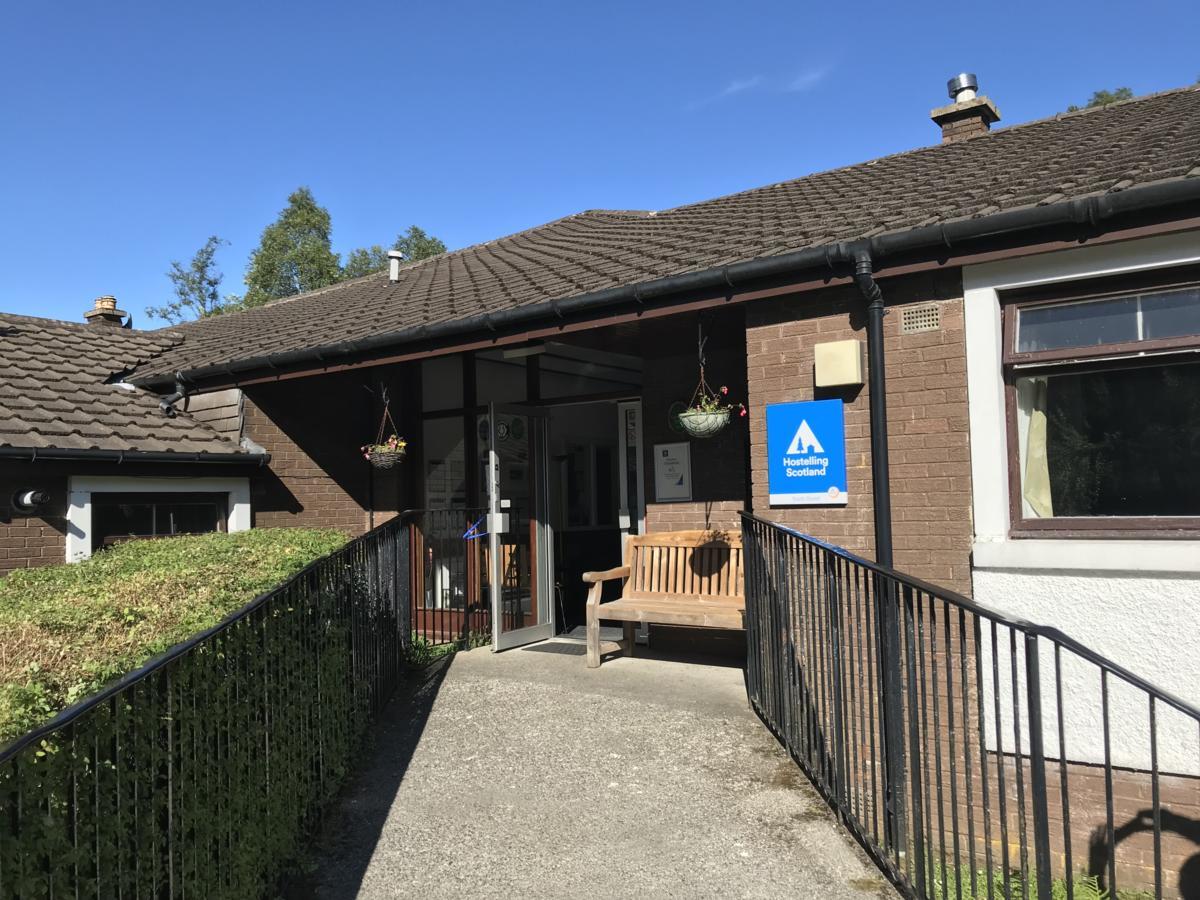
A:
962,86
104,312
970,115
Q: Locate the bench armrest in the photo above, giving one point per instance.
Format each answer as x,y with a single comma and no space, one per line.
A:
609,575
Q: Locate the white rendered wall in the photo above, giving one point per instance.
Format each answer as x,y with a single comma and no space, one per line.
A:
1136,602
1145,621
81,488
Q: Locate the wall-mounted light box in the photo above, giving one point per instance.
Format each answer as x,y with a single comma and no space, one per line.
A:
838,364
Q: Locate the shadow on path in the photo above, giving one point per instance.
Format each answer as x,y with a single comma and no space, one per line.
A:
361,809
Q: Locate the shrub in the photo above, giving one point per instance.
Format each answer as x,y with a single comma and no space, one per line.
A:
66,630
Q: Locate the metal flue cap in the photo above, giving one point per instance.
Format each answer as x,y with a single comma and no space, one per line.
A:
964,81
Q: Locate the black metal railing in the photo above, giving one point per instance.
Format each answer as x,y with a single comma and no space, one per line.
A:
202,773
972,754
450,582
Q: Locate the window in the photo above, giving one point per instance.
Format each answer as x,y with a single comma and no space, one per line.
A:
1103,386
124,517
441,383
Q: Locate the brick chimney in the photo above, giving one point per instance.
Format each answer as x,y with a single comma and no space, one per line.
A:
969,115
105,312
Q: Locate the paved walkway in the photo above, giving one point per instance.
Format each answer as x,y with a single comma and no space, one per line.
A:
524,774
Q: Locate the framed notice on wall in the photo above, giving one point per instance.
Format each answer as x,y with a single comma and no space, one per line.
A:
672,472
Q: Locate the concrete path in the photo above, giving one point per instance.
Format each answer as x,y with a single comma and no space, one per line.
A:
525,774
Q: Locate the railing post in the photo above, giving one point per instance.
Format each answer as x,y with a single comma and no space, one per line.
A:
888,619
1037,767
838,744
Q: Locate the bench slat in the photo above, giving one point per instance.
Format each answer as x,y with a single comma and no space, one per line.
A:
679,614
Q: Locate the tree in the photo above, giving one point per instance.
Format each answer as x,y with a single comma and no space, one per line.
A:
365,261
294,253
1103,98
414,245
197,287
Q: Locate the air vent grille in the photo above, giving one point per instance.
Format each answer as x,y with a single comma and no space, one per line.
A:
926,317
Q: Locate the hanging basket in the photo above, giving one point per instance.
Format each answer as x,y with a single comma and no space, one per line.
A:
385,459
700,424
389,452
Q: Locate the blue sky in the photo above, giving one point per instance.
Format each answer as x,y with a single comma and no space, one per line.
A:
132,131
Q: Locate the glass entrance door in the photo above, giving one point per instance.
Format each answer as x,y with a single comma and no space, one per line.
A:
632,513
513,456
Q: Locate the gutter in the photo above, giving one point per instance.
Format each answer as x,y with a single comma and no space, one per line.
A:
1089,211
36,454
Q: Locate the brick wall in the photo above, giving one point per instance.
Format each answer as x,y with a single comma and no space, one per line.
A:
313,427
670,374
32,540
927,420
40,539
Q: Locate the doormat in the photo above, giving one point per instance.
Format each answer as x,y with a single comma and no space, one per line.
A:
569,648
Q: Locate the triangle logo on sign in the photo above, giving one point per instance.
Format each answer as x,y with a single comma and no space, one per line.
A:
804,441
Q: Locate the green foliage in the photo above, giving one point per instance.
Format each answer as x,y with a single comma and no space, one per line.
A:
294,253
197,287
422,652
206,777
66,630
1103,98
946,883
365,261
414,245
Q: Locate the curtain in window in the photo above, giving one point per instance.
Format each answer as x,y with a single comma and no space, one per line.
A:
1035,475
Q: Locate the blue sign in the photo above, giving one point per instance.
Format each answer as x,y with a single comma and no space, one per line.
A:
806,453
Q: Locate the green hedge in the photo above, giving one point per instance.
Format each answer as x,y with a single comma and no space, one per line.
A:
66,630
204,775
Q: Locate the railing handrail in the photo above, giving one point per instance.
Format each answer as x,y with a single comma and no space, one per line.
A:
1023,625
145,670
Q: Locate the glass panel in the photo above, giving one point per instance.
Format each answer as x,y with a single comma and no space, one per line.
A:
564,377
114,522
1110,321
631,481
1171,314
445,463
1117,443
442,383
499,380
518,597
188,518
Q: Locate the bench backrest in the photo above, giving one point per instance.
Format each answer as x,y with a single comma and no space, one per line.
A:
685,564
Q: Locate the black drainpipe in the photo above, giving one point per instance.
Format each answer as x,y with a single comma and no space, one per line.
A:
880,479
884,589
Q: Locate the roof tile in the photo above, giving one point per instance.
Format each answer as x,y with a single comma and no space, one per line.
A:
54,391
1071,155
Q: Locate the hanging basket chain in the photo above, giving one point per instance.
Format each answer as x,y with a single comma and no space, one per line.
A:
702,392
386,418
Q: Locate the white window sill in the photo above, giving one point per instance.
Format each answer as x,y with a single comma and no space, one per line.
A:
1167,556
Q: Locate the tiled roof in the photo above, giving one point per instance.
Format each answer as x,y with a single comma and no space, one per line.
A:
1138,142
53,392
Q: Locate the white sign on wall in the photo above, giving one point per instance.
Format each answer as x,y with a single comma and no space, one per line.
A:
672,472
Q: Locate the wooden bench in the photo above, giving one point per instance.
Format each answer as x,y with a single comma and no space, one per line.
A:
671,578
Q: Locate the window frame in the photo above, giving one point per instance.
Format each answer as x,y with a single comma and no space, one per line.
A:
1092,358
217,499
80,489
